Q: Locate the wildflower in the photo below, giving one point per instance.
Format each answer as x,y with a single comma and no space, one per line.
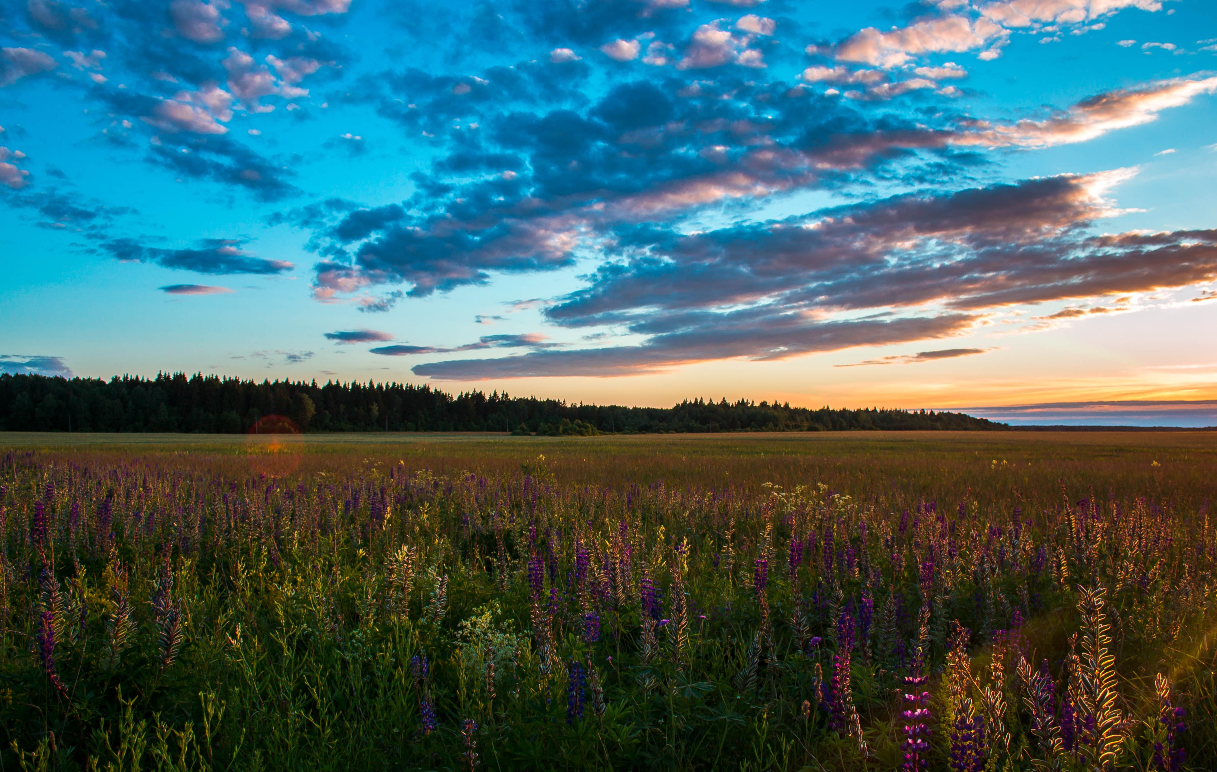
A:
916,715
591,627
536,575
46,650
468,729
575,692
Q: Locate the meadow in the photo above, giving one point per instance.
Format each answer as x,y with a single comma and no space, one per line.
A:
918,601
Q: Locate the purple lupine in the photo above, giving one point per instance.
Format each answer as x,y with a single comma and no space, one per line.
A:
582,562
38,530
916,716
650,604
968,750
866,614
591,627
842,691
426,707
796,557
845,632
536,576
760,579
1169,756
46,650
576,689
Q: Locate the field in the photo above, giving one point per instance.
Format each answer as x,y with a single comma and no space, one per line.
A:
962,601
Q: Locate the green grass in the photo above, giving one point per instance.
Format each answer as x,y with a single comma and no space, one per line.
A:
298,619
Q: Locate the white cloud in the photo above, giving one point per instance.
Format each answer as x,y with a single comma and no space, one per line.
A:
714,47
1168,151
949,34
1126,43
622,50
559,55
756,24
10,175
91,61
944,72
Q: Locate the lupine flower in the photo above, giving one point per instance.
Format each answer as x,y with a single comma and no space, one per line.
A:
761,576
46,650
916,716
575,692
591,627
968,748
536,575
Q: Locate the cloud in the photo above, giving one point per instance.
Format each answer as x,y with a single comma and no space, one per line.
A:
20,364
1092,117
1183,413
943,72
358,336
948,34
559,55
194,289
532,340
18,63
710,337
622,50
213,256
758,25
714,47
402,350
967,31
199,111
10,175
223,160
924,356
199,21
1205,295
249,82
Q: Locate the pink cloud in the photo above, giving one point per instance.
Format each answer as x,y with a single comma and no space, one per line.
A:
199,21
948,34
17,63
1092,117
10,175
622,50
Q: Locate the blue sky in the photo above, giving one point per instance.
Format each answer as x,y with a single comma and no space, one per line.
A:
986,205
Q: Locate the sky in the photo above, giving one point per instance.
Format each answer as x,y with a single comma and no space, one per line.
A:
1002,206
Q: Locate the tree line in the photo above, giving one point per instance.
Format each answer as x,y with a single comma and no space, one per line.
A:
213,404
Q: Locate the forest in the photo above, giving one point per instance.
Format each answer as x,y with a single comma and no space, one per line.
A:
212,404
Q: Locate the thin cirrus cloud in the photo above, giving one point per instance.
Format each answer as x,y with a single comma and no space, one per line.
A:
922,356
212,256
530,340
194,289
358,336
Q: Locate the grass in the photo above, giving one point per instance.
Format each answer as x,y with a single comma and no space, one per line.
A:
682,602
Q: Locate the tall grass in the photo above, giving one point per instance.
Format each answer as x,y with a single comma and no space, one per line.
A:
841,603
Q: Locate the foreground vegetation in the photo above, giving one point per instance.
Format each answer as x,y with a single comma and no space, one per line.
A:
198,404
960,602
